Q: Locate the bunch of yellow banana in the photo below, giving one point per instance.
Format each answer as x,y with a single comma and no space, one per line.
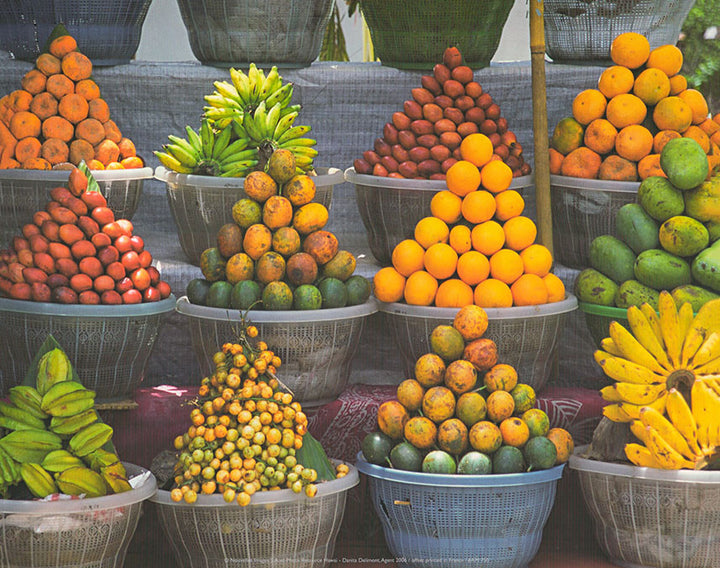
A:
659,351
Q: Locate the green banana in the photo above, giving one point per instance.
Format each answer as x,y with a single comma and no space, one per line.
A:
241,82
301,151
232,161
185,158
58,461
235,147
284,124
238,128
172,163
227,91
291,109
81,481
30,445
290,133
271,120
221,142
207,136
53,367
90,438
38,481
9,469
299,142
29,399
66,425
256,78
67,399
193,139
255,122
280,96
242,169
271,84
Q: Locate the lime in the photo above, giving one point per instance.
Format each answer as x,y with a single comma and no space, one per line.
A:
540,453
358,289
438,461
475,463
333,291
197,291
447,342
277,296
244,294
219,293
307,297
406,456
376,447
508,459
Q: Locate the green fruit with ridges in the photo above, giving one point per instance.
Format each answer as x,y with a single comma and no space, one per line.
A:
540,453
438,461
508,459
376,447
307,297
405,456
474,463
334,294
197,291
245,294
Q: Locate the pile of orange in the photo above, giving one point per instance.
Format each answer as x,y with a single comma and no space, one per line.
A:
617,130
475,247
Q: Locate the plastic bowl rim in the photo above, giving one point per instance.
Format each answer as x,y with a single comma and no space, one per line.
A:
186,308
62,175
329,176
325,489
601,310
568,182
88,311
417,184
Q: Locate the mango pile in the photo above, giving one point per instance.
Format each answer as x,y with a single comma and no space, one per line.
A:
464,412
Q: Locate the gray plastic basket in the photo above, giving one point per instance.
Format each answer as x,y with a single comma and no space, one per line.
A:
390,208
286,33
581,31
583,209
200,205
473,521
527,337
109,346
280,529
652,517
316,346
76,533
23,192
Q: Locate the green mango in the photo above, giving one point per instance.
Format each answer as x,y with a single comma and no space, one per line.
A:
661,270
636,228
660,199
594,287
706,267
612,257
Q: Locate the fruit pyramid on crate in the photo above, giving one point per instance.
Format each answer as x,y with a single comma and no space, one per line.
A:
666,240
76,252
665,368
464,412
617,130
276,255
247,434
475,247
423,140
58,117
52,438
245,121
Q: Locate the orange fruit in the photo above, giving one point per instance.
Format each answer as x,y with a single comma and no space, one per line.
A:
524,397
421,432
500,405
492,293
420,288
555,161
555,288
462,177
536,259
672,113
447,342
634,142
453,293
626,109
529,290
257,240
600,136
650,166
310,217
588,105
445,205
438,404
514,431
698,105
520,232
563,443
668,58
286,241
485,437
460,376
410,394
460,238
478,206
391,418
477,149
429,370
259,186
300,190
496,176
567,136
277,212
537,421
482,353
678,83
388,285
651,85
440,260
615,168
471,408
239,267
501,377
581,162
615,80
407,257
471,321
431,230
473,267
452,436
488,237
270,266
508,204
695,132
662,138
630,49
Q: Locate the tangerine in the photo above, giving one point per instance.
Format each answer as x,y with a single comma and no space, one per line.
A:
488,237
492,293
630,49
462,177
407,257
421,432
471,321
477,149
651,85
555,288
460,239
388,285
431,230
438,404
478,206
508,204
440,260
392,417
626,109
672,113
567,136
600,136
588,105
496,176
429,370
537,259
446,205
453,293
485,437
615,80
634,142
473,267
420,288
506,265
529,290
668,58
520,232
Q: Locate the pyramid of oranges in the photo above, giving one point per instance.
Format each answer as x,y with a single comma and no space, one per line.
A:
476,247
617,130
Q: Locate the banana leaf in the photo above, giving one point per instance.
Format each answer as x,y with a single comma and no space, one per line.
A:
92,182
58,31
311,454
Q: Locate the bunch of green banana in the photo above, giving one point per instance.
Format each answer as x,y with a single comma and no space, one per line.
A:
209,151
660,351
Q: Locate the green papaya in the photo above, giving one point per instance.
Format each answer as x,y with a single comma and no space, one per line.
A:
594,287
703,202
706,267
636,228
612,257
683,236
696,295
633,293
660,199
661,270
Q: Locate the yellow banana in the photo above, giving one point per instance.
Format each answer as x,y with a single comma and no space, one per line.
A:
670,326
272,82
615,413
709,350
241,82
702,408
667,430
681,416
172,163
610,394
710,368
256,78
607,344
631,348
641,456
633,410
685,319
626,371
640,394
638,430
665,454
643,331
653,320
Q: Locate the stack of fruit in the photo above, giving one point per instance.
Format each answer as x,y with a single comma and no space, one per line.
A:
276,254
247,432
476,247
617,131
75,251
422,141
53,440
58,118
245,122
443,422
668,240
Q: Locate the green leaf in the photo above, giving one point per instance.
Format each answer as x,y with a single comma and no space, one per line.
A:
334,47
92,182
49,344
311,454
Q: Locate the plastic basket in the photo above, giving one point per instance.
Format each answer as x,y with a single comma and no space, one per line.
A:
583,209
109,346
390,208
526,336
286,33
598,318
315,346
474,521
200,205
23,192
74,533
652,517
581,31
280,528
107,31
414,35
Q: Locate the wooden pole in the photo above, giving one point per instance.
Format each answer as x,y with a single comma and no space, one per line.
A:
540,126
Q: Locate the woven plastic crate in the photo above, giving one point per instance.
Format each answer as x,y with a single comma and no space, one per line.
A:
77,533
652,517
109,346
527,337
200,205
107,31
286,33
474,521
583,209
23,192
390,208
280,528
414,35
315,346
581,31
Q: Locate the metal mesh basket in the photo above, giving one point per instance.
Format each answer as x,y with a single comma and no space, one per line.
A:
526,336
315,346
23,192
583,209
390,208
107,31
474,521
414,35
280,529
581,31
652,517
78,533
286,33
200,205
109,346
